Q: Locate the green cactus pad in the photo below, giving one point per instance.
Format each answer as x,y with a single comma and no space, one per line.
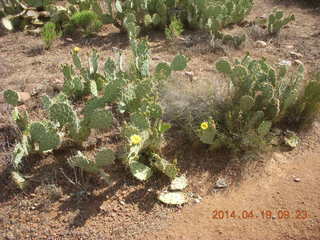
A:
179,63
246,103
223,66
163,70
105,157
140,121
45,135
79,132
93,104
46,102
82,162
264,128
100,119
140,171
62,113
240,72
11,97
113,89
169,169
21,118
93,88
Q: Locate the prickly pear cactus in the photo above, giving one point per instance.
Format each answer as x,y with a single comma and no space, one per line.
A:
104,158
100,119
11,97
169,169
276,21
45,135
62,113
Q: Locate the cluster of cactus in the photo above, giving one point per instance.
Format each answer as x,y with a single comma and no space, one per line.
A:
261,96
24,15
276,20
209,14
132,93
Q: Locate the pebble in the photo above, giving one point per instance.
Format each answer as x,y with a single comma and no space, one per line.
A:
260,44
296,55
221,183
298,62
297,179
189,75
285,62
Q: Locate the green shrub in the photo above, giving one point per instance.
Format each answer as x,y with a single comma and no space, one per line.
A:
49,34
87,20
174,30
308,105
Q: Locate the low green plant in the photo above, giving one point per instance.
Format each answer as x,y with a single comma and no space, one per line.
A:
261,96
174,30
276,21
49,34
87,20
308,105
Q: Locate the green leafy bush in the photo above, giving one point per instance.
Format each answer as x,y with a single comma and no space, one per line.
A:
49,34
174,30
87,20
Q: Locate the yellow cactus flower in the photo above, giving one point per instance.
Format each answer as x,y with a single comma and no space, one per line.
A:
135,139
204,125
76,49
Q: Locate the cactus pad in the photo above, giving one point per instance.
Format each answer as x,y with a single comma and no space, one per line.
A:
62,113
100,119
104,157
45,135
246,103
223,66
140,171
179,63
11,97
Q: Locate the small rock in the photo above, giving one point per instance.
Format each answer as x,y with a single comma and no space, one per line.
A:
122,202
289,46
296,55
69,39
189,75
297,179
156,58
24,96
273,217
297,62
260,44
279,157
197,200
221,183
285,62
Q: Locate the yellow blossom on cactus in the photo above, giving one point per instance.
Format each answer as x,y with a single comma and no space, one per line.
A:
135,139
204,125
76,49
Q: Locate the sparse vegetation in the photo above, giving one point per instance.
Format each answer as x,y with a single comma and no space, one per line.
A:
49,34
131,118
